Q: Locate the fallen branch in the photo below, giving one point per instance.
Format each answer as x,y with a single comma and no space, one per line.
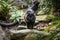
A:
25,31
21,34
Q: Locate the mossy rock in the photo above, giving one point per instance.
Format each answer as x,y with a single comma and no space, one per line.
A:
30,35
36,36
18,37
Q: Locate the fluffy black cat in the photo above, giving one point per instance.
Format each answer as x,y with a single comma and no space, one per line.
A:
30,15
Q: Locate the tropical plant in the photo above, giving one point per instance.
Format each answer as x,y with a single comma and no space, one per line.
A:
4,12
8,12
15,13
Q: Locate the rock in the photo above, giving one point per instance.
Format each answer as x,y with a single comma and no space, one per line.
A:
4,35
20,27
1,34
18,2
36,36
21,34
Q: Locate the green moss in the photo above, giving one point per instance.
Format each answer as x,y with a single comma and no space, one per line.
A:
36,36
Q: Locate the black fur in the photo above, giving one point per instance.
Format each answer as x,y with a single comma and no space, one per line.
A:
30,16
30,20
35,6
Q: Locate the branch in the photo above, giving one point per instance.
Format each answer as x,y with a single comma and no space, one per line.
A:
26,31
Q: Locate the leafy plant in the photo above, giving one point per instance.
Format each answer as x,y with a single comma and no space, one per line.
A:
4,12
8,12
15,14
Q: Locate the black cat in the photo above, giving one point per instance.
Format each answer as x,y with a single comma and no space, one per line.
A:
30,15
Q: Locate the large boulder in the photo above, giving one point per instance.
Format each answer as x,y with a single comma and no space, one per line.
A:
28,34
1,34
